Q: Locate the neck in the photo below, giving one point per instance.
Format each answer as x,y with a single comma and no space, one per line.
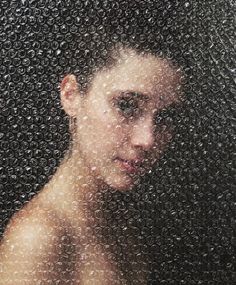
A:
85,198
73,184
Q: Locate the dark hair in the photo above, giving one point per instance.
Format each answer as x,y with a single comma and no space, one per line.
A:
80,37
44,40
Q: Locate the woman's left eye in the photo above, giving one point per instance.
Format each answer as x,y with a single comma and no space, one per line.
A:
165,119
129,107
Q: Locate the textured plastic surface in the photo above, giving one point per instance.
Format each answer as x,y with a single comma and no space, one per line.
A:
184,210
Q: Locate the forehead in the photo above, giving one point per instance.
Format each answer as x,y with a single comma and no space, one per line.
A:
150,75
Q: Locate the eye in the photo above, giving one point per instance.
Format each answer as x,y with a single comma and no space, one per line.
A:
165,119
128,106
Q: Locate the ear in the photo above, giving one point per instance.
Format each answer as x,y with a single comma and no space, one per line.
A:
70,95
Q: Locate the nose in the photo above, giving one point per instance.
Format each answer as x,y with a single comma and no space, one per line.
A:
143,134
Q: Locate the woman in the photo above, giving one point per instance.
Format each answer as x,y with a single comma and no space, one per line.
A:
63,235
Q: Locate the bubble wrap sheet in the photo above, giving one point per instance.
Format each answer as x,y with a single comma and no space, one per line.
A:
117,142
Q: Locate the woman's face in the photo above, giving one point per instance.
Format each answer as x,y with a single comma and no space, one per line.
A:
117,137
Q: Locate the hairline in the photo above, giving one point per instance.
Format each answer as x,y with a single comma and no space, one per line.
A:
115,54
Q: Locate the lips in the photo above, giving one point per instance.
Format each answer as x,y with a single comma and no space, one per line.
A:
130,166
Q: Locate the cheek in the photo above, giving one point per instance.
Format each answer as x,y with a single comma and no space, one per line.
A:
101,133
109,126
117,136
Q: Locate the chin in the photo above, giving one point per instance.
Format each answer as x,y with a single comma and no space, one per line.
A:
122,184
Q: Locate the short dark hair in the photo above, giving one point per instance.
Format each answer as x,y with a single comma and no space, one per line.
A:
80,36
44,40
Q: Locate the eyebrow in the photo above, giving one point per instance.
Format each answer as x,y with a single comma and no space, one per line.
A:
135,94
172,107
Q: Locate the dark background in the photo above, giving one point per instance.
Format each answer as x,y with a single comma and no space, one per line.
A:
190,207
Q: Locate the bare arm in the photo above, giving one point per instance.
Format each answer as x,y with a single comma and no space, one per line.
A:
28,252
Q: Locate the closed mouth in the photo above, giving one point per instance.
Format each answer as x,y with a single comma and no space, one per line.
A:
130,166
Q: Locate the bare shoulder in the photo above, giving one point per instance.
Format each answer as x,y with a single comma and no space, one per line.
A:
29,242
32,223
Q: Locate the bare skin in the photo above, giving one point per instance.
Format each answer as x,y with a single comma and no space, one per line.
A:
55,237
